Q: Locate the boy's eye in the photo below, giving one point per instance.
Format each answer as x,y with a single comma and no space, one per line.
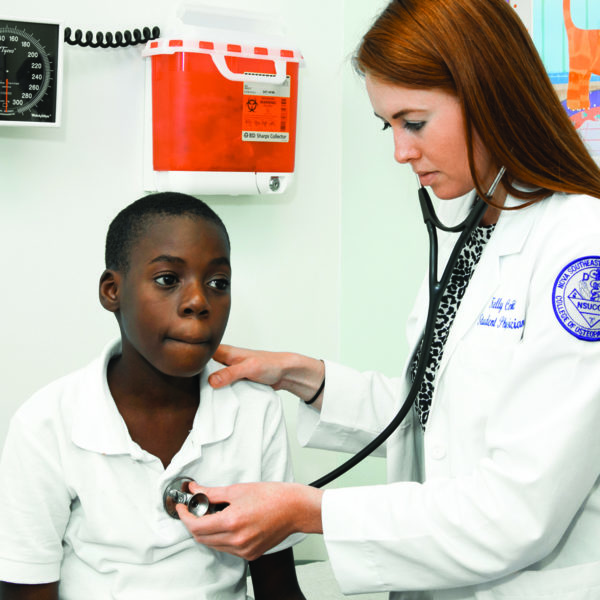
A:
220,283
386,125
166,280
414,125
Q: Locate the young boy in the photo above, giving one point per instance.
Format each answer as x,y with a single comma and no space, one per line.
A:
88,457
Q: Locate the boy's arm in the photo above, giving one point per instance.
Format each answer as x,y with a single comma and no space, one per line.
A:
274,576
21,591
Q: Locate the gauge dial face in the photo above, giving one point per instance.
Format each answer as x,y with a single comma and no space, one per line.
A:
29,59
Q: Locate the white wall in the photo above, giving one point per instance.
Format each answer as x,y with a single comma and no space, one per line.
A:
312,268
61,187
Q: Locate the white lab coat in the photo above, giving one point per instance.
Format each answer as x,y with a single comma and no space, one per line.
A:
509,507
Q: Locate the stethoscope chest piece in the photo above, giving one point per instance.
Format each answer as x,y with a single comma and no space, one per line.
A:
178,492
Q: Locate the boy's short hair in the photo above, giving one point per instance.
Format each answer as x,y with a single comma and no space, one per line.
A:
128,226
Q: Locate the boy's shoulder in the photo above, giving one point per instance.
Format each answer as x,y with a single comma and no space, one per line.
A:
60,398
253,400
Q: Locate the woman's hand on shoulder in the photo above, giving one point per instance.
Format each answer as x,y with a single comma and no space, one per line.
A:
295,373
256,365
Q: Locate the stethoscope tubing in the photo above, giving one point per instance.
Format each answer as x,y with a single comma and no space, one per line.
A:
436,292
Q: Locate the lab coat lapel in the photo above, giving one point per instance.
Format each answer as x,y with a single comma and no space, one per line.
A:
510,234
450,213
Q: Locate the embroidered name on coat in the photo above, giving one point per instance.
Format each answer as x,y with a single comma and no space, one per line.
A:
501,313
576,298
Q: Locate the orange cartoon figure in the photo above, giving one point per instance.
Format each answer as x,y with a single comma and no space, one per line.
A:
584,60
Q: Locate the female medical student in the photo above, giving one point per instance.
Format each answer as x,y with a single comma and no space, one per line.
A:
494,478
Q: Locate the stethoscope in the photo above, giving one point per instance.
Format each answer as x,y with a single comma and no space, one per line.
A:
436,292
198,504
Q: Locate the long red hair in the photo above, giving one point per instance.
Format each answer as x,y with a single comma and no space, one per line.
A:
480,51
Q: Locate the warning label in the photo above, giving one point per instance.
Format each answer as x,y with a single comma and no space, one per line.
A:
265,136
265,113
281,90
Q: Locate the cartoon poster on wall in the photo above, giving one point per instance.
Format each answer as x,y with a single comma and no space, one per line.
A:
567,36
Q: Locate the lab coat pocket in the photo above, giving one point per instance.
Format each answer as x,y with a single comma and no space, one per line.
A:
469,393
485,349
579,582
480,369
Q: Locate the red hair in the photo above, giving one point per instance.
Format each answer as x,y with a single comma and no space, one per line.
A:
480,51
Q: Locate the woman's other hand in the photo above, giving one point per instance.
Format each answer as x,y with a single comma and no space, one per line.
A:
259,516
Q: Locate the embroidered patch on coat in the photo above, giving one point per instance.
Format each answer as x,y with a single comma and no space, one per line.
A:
576,298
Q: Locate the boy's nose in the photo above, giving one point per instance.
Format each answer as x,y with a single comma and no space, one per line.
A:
194,300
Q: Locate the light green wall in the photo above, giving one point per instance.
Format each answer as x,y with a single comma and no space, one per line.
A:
383,241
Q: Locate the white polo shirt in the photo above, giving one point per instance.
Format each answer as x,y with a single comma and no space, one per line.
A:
81,502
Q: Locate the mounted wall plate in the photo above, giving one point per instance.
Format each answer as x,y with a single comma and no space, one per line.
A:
30,72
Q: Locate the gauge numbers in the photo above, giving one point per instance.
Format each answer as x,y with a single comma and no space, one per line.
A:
30,77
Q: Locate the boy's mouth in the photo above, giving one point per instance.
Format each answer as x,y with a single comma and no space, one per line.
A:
188,340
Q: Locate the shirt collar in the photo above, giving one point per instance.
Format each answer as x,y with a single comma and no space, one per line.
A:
513,226
215,418
99,427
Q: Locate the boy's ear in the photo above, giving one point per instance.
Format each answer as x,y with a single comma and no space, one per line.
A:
110,282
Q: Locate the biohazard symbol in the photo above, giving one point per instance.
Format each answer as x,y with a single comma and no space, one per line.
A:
251,104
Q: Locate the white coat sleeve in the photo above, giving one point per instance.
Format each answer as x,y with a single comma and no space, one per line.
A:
540,464
356,407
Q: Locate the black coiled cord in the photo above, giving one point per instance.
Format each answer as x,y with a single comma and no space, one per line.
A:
108,40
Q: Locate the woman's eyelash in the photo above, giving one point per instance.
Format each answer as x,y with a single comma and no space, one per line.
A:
409,125
414,125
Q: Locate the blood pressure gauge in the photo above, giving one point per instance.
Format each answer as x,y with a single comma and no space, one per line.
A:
30,72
